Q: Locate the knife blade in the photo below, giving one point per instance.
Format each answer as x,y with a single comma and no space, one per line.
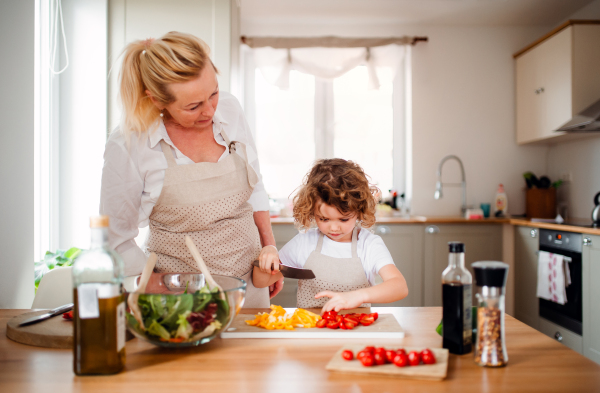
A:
292,272
57,311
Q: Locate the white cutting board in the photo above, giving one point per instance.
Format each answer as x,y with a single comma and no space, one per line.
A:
386,326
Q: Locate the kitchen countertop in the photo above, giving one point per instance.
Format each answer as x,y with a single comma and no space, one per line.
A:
459,220
536,363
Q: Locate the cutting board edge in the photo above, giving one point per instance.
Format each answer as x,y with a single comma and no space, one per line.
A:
393,335
388,375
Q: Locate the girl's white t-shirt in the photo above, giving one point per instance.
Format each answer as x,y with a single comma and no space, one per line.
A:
370,248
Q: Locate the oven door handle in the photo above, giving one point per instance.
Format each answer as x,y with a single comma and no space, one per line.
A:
566,259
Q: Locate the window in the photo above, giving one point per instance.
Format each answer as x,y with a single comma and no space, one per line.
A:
318,118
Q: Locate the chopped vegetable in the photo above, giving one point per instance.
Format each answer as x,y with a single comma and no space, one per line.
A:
279,319
371,356
347,321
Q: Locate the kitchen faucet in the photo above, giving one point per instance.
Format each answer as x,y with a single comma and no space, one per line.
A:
438,185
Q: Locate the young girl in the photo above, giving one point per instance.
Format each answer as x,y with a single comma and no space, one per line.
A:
344,256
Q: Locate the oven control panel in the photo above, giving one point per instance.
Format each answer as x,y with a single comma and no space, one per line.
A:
561,240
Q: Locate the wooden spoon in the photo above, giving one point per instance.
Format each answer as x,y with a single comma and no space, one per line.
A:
132,300
201,265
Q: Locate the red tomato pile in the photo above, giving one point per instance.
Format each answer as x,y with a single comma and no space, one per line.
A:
371,356
332,320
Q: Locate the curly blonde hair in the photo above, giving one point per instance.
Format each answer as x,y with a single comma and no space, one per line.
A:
338,183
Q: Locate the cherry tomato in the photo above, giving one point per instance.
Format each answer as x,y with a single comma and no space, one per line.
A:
362,353
347,355
370,349
390,354
333,324
330,315
428,357
401,350
379,358
367,360
321,323
366,321
351,319
380,349
374,315
401,360
426,350
342,325
414,358
349,325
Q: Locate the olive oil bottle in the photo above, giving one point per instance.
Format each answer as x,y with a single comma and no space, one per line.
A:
99,311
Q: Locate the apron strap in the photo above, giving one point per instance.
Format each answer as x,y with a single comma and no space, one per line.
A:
320,242
232,146
168,153
355,242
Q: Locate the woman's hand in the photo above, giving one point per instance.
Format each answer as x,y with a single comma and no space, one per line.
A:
275,288
341,300
269,260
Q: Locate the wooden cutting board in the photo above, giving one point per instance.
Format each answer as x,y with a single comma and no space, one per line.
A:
386,326
430,372
55,332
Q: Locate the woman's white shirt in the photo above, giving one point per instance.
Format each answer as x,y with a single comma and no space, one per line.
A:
134,172
370,248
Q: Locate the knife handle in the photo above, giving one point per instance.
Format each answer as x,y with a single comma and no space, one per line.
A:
256,263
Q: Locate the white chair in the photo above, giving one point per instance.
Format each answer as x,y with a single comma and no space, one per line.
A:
55,289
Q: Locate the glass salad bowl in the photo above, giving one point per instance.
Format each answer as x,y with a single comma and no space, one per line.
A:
180,310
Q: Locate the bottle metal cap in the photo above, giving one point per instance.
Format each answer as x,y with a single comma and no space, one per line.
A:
490,273
99,222
456,247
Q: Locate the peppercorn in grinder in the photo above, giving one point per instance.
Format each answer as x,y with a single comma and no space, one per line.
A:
490,279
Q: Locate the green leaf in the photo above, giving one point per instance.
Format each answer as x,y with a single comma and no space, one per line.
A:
156,329
72,253
201,300
184,304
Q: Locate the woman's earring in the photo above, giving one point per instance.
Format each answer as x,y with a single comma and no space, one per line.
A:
161,114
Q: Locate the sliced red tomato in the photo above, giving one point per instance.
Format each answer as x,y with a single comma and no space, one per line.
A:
348,325
321,323
333,324
347,355
401,360
342,325
365,323
351,319
329,315
374,315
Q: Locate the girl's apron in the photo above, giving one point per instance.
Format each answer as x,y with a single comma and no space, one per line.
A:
333,274
209,202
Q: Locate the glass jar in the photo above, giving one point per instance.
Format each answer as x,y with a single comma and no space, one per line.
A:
490,346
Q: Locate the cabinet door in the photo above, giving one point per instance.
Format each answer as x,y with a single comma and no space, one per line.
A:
529,99
287,297
483,242
405,243
526,301
591,294
555,58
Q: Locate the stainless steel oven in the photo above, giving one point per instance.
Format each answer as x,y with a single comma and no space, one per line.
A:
568,315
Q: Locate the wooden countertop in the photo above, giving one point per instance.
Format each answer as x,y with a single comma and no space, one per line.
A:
585,228
536,363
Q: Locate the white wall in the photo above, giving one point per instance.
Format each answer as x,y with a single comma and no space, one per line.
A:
16,161
463,104
581,158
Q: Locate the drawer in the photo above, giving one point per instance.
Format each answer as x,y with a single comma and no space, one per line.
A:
561,334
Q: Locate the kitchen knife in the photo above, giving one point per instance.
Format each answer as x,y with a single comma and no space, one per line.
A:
292,272
50,314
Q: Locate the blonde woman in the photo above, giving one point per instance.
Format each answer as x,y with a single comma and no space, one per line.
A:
183,161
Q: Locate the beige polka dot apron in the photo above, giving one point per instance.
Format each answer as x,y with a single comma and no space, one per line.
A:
332,274
209,202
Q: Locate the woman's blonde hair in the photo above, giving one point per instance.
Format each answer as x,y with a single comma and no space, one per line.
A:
338,183
152,65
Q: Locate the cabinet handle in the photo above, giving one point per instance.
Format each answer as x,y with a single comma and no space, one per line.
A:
383,230
540,90
558,336
587,241
431,229
533,233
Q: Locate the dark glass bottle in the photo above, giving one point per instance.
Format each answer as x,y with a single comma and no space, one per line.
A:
456,300
99,311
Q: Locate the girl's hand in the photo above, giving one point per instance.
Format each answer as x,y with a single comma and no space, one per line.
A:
275,288
340,300
269,257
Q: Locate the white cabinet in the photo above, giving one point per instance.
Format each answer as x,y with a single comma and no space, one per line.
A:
405,243
591,293
483,242
526,300
555,80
